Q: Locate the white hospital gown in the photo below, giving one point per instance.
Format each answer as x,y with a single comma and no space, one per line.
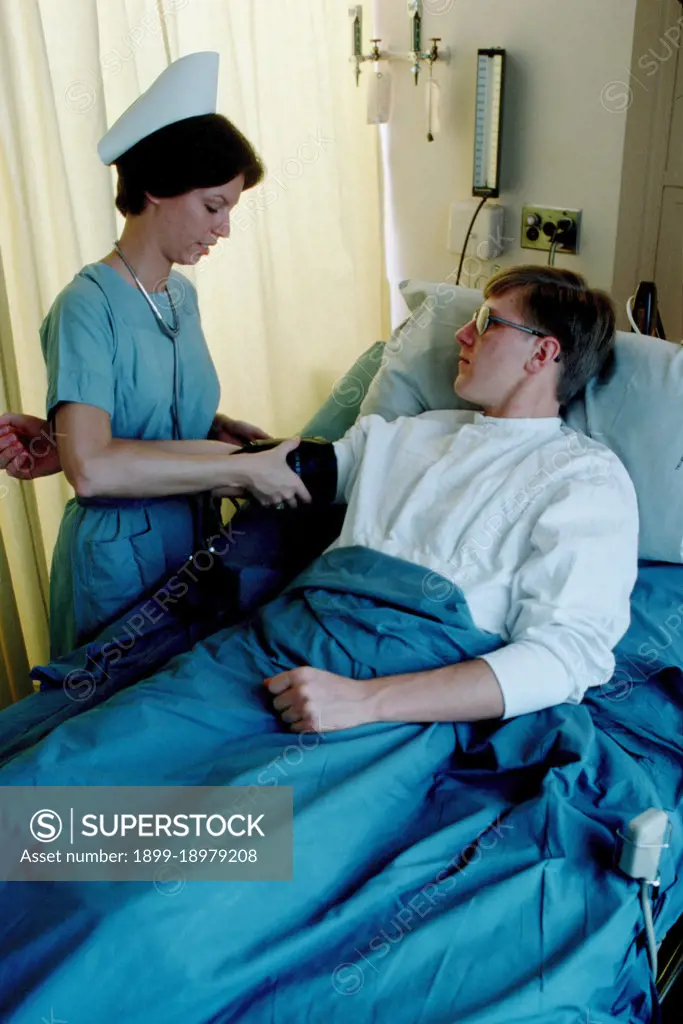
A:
536,523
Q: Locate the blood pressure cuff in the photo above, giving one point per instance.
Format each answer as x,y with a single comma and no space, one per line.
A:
247,561
313,460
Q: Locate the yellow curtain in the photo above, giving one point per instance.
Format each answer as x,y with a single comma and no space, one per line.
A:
23,565
287,303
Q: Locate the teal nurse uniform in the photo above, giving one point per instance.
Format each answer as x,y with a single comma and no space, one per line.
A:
104,347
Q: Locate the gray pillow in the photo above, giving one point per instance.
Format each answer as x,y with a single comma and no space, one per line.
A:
340,411
638,412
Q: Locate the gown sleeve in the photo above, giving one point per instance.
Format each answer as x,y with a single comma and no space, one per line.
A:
349,451
571,597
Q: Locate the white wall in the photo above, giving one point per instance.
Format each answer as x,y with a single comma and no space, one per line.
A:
563,141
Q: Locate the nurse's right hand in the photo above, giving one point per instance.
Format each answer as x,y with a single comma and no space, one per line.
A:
268,477
28,448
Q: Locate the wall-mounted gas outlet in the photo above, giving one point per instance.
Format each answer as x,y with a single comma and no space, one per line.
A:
541,225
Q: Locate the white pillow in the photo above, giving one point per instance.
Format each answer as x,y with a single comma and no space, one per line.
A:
638,412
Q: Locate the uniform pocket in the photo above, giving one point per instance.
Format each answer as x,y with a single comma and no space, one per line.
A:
116,573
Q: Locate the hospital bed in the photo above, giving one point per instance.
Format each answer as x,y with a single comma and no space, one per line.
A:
634,723
648,320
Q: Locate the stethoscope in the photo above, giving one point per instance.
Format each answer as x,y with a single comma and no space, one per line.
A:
171,331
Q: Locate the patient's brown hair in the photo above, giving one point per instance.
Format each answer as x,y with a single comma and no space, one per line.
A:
559,302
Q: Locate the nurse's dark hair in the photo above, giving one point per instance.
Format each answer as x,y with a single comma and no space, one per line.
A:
559,302
197,152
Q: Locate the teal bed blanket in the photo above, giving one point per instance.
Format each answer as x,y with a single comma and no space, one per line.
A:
442,872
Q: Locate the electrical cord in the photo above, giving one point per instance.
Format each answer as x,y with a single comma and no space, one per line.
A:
657,331
646,904
671,972
565,234
642,843
629,314
467,237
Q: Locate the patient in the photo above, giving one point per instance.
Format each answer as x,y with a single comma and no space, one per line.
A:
534,524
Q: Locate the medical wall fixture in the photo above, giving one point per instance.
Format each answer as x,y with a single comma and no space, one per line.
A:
357,55
416,55
488,122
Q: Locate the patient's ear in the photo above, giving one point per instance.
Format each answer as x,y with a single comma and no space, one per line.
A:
547,351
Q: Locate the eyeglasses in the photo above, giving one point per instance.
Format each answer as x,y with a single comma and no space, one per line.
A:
483,318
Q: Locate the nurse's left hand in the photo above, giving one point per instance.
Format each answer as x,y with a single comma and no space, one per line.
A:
312,700
237,432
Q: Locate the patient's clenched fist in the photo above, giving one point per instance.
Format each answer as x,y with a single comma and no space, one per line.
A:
28,447
312,700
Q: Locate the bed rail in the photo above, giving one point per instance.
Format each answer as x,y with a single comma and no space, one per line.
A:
670,980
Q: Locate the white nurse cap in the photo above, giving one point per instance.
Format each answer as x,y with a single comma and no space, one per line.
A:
187,88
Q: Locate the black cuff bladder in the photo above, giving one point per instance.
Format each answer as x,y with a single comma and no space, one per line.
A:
313,460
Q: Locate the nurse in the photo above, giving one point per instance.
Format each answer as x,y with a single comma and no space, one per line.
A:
132,390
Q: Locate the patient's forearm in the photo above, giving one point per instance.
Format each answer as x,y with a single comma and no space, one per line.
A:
468,692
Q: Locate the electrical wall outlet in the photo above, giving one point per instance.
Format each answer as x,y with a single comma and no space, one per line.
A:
543,224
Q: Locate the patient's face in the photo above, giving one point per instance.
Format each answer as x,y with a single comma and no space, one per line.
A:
491,366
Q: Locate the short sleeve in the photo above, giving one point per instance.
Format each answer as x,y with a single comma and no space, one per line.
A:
78,341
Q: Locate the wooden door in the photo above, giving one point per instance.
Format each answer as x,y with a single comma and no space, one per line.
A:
669,262
669,257
650,236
